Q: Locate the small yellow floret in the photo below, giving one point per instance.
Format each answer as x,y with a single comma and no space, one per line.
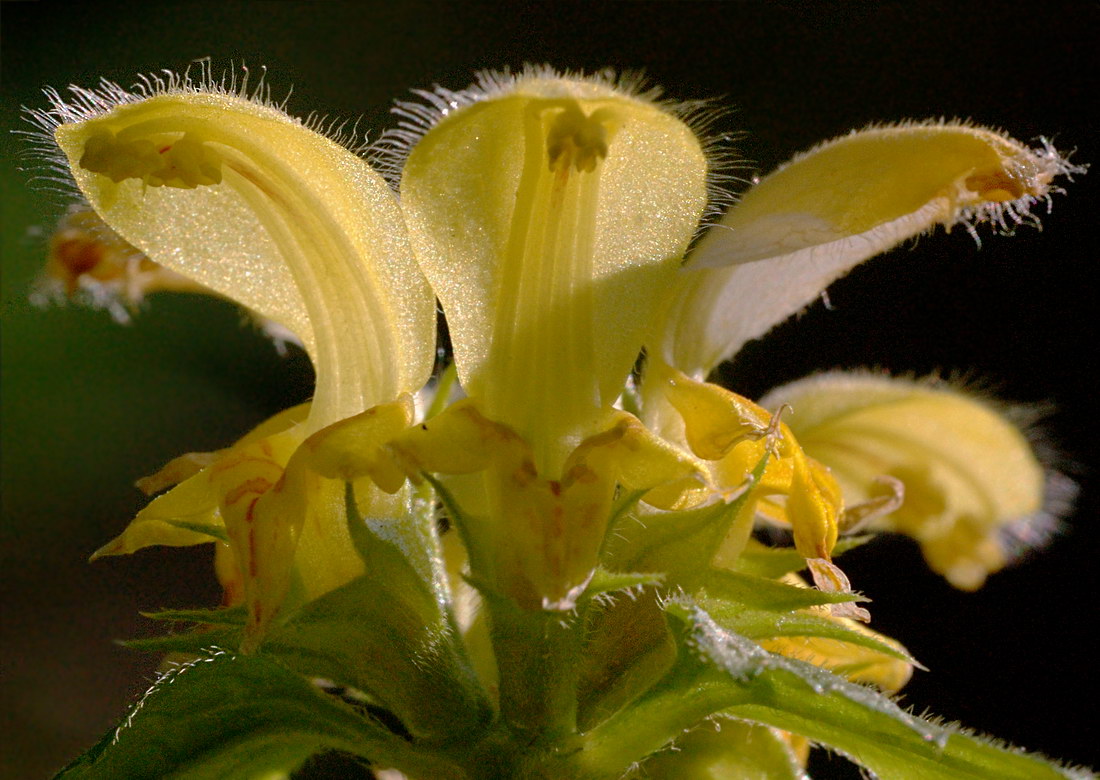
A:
967,471
734,433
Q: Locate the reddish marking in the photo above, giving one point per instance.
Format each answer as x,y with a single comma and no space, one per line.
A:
257,611
231,594
257,485
265,447
557,523
78,256
555,487
230,462
164,149
248,518
252,570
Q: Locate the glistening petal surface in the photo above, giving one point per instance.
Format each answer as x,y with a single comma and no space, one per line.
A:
968,472
826,211
550,220
247,201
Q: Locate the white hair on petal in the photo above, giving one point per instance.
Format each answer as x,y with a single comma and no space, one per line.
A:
1004,216
1018,537
1018,212
82,104
417,117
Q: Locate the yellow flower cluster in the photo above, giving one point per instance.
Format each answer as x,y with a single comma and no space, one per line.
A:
552,217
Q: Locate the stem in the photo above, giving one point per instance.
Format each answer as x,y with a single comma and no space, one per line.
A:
648,725
537,653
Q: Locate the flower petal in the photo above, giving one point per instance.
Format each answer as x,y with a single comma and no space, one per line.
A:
550,218
826,211
245,200
185,515
856,662
188,513
971,478
734,433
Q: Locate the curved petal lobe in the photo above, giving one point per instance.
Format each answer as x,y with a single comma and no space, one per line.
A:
817,217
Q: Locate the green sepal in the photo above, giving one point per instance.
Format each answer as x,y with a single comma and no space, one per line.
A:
774,562
187,642
536,652
681,544
761,624
748,605
224,717
718,671
390,642
725,749
604,581
722,586
627,650
224,616
620,512
402,551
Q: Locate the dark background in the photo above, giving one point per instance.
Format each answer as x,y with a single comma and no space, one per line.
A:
88,406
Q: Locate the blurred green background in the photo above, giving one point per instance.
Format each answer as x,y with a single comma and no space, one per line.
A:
88,405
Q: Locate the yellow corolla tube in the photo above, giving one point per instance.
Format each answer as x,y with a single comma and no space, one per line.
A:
974,491
831,208
231,192
550,215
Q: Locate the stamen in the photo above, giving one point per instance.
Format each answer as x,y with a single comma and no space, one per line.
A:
855,518
773,434
184,163
577,139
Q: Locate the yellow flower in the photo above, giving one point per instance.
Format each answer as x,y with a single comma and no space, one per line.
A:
232,193
973,486
974,489
831,208
551,216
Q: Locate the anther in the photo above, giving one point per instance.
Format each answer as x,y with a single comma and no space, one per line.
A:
577,139
185,163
